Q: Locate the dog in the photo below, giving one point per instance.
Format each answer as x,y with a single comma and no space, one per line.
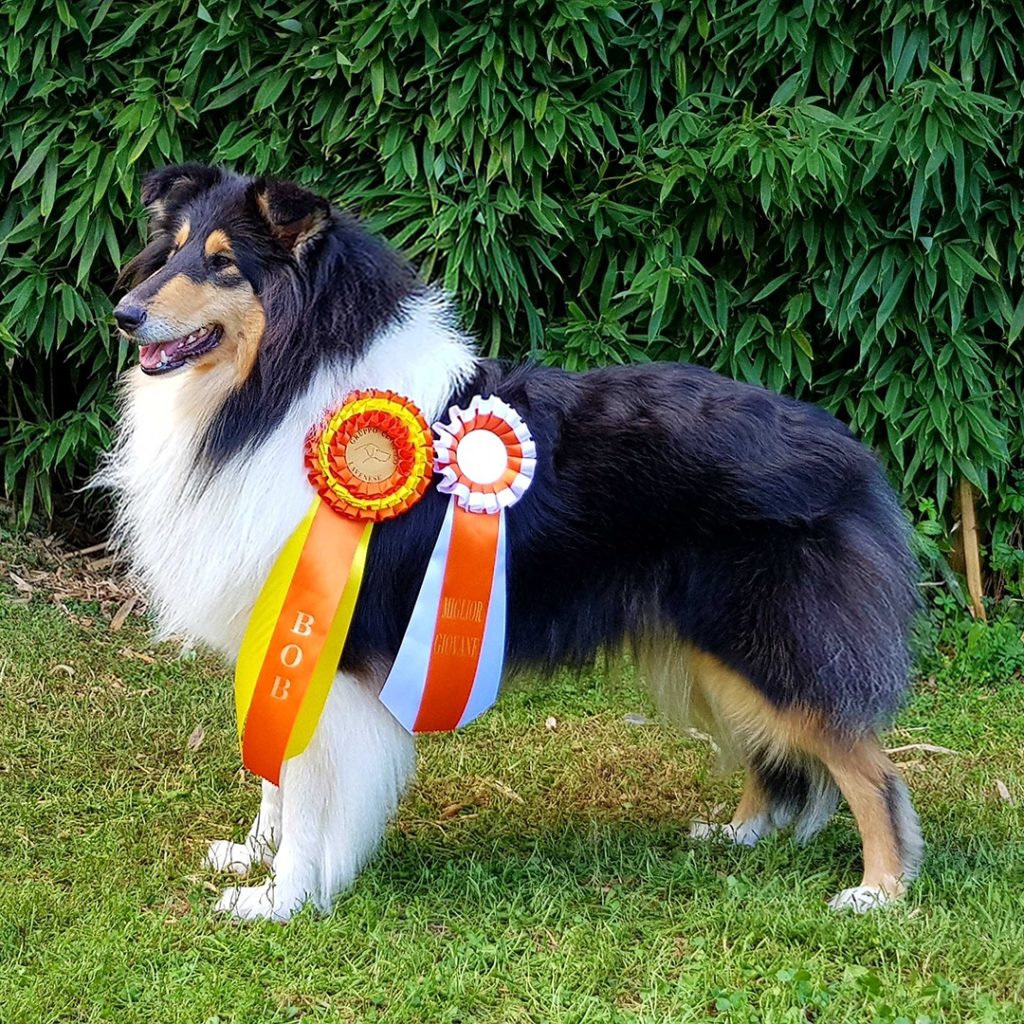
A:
745,545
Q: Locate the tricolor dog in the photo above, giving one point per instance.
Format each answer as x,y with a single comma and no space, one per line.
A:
745,545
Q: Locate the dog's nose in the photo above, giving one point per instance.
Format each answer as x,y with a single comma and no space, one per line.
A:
129,318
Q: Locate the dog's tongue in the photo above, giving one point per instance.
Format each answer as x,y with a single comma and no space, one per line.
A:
152,356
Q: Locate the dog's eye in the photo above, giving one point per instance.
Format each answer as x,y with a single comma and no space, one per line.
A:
219,260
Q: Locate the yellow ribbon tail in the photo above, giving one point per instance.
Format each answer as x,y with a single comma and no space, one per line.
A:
265,614
330,655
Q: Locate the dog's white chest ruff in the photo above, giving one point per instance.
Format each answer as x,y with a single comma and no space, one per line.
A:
201,542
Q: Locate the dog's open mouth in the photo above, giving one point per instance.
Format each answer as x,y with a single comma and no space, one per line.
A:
169,355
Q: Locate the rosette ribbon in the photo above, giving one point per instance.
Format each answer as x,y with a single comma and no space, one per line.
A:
448,668
369,461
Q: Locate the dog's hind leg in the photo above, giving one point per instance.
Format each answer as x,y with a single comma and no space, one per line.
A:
888,824
674,673
260,844
797,791
336,799
783,786
751,822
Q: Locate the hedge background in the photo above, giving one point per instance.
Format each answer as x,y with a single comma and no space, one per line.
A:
822,197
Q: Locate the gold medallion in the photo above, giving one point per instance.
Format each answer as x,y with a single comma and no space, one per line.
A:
371,455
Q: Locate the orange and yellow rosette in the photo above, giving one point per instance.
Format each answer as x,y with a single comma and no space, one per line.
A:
369,461
448,668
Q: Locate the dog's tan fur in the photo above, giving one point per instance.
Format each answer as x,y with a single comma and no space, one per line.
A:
238,311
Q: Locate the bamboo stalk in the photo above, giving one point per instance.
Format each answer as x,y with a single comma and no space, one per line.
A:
972,560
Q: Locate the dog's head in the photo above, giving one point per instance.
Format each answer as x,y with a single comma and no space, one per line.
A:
218,241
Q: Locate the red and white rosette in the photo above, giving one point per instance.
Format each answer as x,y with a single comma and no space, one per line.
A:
485,455
448,668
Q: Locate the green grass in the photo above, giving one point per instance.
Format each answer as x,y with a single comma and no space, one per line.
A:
534,874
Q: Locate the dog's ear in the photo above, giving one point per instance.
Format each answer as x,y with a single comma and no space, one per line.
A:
296,217
169,188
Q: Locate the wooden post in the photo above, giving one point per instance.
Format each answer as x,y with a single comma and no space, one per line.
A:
972,560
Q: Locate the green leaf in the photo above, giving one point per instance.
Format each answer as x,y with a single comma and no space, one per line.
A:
787,90
377,82
917,200
48,190
540,106
269,92
142,143
892,296
773,285
1016,321
409,160
34,161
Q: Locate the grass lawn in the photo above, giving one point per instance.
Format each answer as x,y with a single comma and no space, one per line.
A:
535,874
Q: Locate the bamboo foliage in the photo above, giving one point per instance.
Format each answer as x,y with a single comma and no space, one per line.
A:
821,197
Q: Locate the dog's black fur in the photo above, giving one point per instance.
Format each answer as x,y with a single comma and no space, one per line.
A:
667,497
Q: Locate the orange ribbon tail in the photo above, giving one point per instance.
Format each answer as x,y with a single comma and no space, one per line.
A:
302,628
461,617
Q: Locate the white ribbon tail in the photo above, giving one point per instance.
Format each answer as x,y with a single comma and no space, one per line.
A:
403,692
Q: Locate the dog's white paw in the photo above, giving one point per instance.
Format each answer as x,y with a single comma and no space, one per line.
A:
253,903
745,834
860,899
227,856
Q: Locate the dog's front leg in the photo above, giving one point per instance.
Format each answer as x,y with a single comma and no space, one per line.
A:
336,799
260,844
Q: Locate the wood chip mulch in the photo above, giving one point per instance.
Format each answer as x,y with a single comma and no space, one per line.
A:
43,567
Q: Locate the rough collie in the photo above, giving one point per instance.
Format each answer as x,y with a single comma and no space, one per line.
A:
745,544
